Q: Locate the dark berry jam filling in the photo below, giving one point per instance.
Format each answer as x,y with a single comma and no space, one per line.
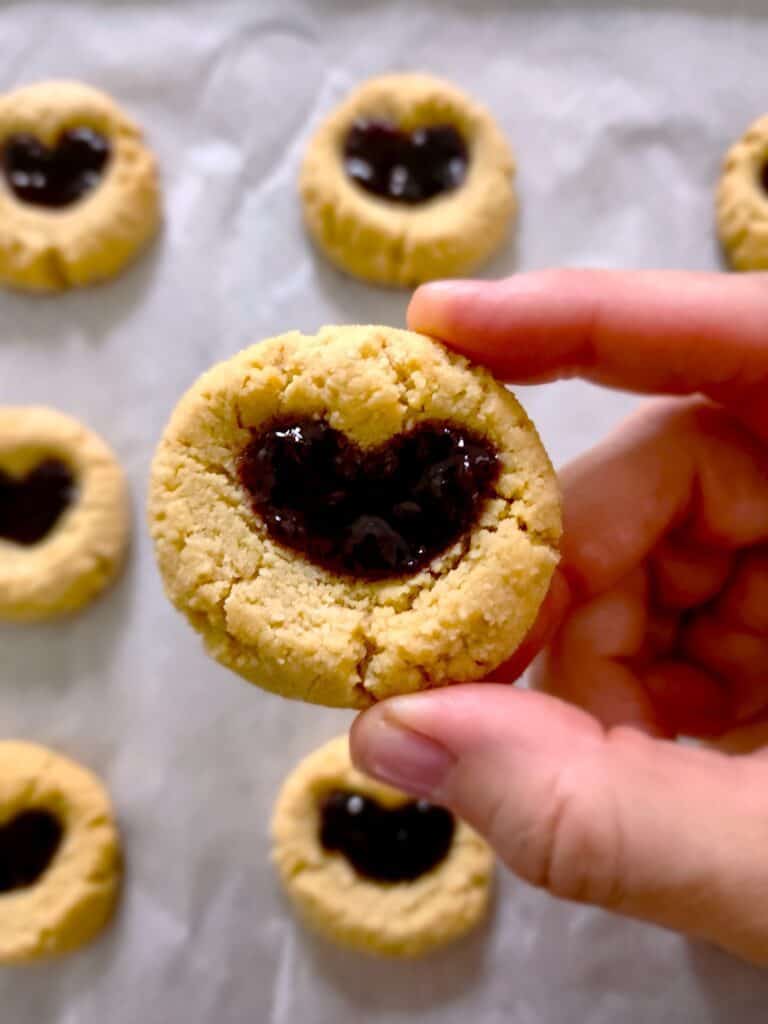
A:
408,167
55,176
372,512
30,506
387,845
28,844
764,177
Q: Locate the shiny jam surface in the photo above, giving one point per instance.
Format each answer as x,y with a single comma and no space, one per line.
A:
54,176
369,513
386,844
406,167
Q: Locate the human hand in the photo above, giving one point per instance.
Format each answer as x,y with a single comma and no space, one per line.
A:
656,624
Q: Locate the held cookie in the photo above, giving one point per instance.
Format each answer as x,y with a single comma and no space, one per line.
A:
354,514
59,854
79,194
64,514
371,868
407,181
742,200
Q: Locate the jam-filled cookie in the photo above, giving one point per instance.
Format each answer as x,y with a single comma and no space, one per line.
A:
354,514
371,868
79,193
64,514
59,854
408,180
742,200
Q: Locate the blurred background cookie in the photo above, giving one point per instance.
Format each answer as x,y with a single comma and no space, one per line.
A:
79,194
742,200
64,514
370,868
354,514
408,180
59,854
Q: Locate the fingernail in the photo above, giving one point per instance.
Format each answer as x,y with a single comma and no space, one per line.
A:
405,759
454,285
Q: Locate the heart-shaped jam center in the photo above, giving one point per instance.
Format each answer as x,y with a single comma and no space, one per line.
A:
409,167
55,176
367,512
764,177
30,506
28,844
386,844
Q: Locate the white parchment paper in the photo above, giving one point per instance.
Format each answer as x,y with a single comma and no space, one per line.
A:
619,118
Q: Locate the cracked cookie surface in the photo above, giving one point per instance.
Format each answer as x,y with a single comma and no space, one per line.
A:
390,243
53,562
44,248
296,628
742,200
70,902
405,918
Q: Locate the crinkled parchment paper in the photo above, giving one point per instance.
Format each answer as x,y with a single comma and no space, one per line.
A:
619,118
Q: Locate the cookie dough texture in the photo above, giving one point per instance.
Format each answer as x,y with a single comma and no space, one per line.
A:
92,239
742,200
74,898
297,629
392,243
391,919
85,549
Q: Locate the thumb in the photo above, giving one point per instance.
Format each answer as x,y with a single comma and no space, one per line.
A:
671,834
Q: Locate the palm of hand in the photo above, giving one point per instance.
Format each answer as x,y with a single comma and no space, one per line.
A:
667,574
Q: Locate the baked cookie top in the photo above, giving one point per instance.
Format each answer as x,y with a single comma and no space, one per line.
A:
369,867
59,853
79,194
64,514
354,514
742,200
407,180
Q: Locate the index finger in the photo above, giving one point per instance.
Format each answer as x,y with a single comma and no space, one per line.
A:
670,332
